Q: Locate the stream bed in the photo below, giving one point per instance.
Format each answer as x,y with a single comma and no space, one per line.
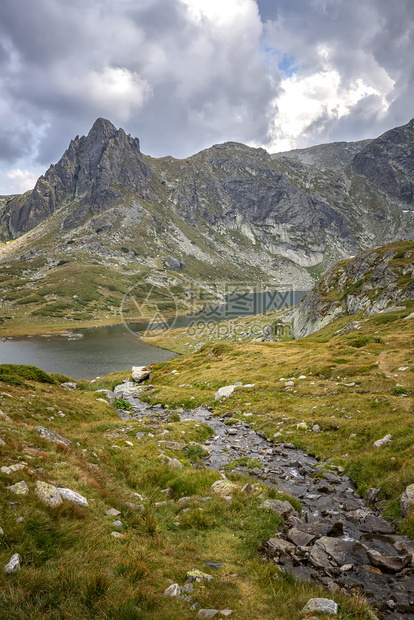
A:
336,540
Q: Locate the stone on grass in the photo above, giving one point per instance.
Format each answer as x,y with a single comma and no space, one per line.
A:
69,385
323,605
140,373
207,613
407,500
48,494
117,523
225,392
173,590
4,416
225,612
11,468
113,512
223,487
117,535
2,442
45,433
72,496
281,508
197,575
20,488
1,531
382,442
174,463
14,564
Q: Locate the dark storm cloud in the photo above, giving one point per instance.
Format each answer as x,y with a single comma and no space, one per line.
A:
184,74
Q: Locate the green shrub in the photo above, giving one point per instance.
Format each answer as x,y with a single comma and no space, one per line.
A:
398,390
120,403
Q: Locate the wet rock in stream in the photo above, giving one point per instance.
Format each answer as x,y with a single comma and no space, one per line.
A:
336,540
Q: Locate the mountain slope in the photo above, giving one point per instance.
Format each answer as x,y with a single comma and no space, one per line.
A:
230,213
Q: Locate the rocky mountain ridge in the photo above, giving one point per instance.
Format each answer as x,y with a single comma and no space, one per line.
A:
229,213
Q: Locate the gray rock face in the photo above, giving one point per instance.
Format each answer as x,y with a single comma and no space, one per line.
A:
278,215
407,500
371,282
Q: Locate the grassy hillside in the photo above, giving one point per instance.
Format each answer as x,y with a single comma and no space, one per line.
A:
73,567
356,386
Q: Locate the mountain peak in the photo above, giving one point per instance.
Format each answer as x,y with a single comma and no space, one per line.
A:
102,127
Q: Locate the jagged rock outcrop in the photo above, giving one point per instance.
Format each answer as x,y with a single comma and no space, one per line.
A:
95,171
370,283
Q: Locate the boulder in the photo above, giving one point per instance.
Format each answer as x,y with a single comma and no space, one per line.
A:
223,487
20,488
197,575
284,509
225,392
173,590
14,564
69,385
407,501
53,437
322,605
388,563
382,442
48,494
140,373
72,496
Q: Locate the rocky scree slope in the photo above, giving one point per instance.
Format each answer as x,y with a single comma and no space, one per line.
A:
375,281
229,209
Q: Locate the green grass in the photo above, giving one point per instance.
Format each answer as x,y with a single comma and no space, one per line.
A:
71,565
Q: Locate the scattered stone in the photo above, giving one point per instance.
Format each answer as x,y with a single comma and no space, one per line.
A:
12,468
247,488
108,393
173,445
372,495
225,392
14,564
1,531
117,535
407,500
48,494
289,383
225,612
2,442
283,509
299,538
20,488
207,613
323,605
45,433
316,428
175,463
72,496
197,575
392,564
280,546
187,588
69,385
140,373
223,487
383,441
113,512
173,590
160,504
215,565
4,416
117,523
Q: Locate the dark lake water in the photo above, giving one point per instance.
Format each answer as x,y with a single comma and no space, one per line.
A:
89,353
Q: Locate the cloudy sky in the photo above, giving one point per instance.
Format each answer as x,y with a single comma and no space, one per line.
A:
182,75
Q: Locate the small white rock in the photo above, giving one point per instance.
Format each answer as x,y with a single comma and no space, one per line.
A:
173,590
14,564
